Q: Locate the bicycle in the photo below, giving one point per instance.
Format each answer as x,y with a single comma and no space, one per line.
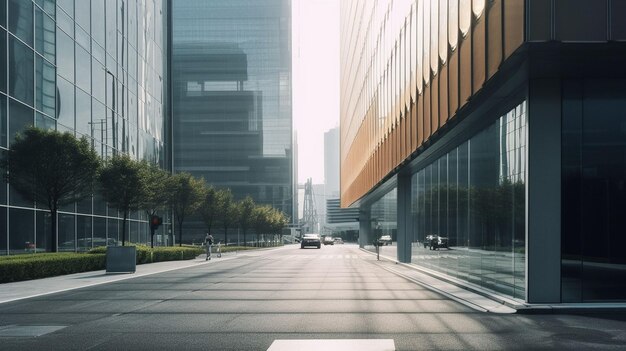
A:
218,251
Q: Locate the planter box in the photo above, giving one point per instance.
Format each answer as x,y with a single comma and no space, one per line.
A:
121,259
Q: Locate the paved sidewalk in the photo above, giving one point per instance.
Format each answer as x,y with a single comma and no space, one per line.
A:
484,300
31,288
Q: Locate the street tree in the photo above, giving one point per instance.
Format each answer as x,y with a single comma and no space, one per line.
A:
156,192
209,210
246,207
186,195
228,212
261,217
123,184
52,169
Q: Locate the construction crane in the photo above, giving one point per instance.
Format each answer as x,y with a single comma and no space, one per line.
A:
309,215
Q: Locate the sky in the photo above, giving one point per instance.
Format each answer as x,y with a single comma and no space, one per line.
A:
315,65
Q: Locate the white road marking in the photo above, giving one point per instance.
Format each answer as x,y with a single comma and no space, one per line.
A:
334,345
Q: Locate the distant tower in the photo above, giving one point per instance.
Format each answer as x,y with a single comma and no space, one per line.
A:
309,215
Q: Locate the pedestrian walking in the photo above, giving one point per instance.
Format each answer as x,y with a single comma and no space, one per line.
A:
208,241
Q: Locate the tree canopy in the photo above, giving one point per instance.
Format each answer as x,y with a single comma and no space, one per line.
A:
186,195
51,168
123,183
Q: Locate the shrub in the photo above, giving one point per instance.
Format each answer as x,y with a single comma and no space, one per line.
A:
26,267
145,254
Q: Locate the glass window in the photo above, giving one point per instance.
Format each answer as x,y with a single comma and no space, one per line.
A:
111,28
83,113
3,13
97,21
21,20
45,97
66,23
98,73
82,14
3,61
83,69
21,64
67,232
65,106
470,208
44,35
44,122
65,53
83,232
67,5
3,121
21,117
22,229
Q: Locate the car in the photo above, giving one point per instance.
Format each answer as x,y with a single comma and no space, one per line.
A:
311,240
338,241
385,240
328,240
437,242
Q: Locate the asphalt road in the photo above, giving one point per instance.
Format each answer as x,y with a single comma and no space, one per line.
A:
247,303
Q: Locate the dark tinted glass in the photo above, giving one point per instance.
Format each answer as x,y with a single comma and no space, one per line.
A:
3,13
45,35
65,105
45,91
3,61
581,20
3,120
21,71
65,54
22,229
21,117
21,20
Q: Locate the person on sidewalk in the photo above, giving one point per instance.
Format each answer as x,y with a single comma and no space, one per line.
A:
208,241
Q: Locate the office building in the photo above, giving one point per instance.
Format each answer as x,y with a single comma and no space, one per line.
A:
487,138
231,98
95,69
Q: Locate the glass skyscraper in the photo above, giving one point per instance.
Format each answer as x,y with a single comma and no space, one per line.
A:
231,97
93,68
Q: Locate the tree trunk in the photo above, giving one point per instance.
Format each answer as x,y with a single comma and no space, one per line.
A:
180,232
225,235
54,234
124,228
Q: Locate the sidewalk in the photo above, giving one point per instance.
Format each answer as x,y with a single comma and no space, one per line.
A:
482,299
38,287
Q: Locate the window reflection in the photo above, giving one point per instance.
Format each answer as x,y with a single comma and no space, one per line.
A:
469,209
21,62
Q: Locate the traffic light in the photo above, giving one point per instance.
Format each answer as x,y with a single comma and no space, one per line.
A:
155,222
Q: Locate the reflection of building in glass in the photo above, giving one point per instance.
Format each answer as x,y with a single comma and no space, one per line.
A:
93,68
495,128
231,71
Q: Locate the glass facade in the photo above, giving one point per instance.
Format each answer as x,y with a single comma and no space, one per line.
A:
231,96
593,264
468,215
93,68
384,221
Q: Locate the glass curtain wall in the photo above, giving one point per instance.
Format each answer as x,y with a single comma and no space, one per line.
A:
593,265
231,92
94,69
384,224
468,208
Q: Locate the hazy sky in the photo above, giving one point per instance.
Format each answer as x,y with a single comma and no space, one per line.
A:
315,25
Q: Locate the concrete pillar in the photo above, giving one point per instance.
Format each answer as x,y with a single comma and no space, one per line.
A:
543,192
365,226
404,216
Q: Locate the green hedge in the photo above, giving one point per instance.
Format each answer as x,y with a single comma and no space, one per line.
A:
41,265
26,267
